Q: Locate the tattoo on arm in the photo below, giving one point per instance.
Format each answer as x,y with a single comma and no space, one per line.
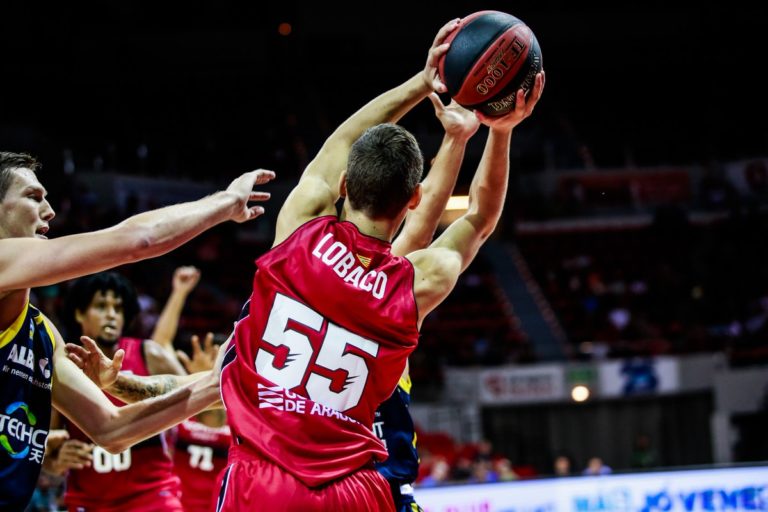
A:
133,388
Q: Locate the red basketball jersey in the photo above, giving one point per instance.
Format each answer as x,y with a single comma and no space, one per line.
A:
330,324
200,454
124,481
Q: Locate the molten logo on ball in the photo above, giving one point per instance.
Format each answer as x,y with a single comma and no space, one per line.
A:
507,103
492,55
494,73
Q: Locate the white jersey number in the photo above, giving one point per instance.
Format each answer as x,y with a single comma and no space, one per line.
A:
333,355
200,457
104,462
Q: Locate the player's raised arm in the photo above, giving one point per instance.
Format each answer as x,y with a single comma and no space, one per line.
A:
438,266
460,125
27,261
318,189
184,280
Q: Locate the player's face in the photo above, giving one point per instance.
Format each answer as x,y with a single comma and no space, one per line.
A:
24,211
103,319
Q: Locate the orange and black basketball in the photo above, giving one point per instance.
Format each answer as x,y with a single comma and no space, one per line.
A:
492,55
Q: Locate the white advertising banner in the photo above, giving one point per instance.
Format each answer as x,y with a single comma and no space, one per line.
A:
540,383
639,376
460,385
743,489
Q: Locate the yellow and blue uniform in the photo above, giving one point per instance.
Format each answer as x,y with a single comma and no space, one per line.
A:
394,425
26,352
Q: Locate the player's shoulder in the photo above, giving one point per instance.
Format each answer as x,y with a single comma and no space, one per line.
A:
313,223
434,263
46,324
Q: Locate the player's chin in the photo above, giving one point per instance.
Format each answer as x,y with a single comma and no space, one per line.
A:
107,339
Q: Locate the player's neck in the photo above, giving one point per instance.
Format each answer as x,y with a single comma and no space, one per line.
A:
383,229
11,305
109,349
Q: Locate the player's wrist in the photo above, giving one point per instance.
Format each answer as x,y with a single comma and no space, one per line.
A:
422,85
228,202
457,136
111,387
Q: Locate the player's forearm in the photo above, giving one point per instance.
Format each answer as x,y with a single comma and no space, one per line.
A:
164,229
388,107
488,189
441,180
142,236
134,388
168,322
486,199
136,422
421,223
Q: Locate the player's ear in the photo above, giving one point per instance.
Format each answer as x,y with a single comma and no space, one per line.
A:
415,197
343,184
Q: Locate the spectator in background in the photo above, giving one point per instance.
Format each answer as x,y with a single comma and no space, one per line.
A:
46,497
462,468
438,475
503,468
643,456
596,466
562,465
482,472
484,450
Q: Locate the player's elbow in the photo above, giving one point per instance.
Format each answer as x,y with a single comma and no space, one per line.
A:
108,434
116,447
143,244
484,211
138,241
486,230
483,223
111,442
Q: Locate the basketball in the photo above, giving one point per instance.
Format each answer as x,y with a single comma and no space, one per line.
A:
491,56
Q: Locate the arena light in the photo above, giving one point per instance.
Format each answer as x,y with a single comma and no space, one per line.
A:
458,203
580,393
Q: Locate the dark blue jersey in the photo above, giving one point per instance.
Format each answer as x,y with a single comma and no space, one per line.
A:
26,355
394,425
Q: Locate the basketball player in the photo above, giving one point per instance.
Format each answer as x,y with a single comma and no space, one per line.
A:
202,442
141,477
394,426
334,314
200,454
392,421
36,373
